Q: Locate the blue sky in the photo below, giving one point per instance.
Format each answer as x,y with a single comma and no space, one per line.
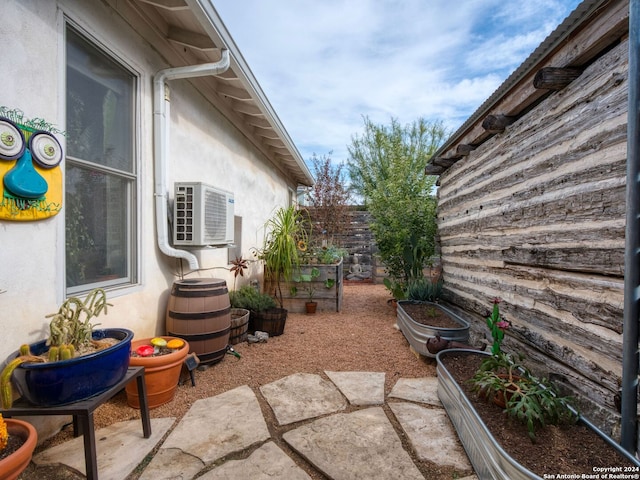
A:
324,64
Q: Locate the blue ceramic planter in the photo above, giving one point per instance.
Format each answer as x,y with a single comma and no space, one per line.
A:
68,381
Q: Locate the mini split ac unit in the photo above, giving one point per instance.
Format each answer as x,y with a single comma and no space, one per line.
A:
202,215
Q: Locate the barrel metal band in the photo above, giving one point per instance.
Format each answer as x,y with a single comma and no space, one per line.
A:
198,315
181,291
201,336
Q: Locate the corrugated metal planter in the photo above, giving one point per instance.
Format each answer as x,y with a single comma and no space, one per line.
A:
490,461
417,334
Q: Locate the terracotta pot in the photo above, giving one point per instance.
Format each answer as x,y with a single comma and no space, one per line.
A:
311,307
12,466
161,374
502,396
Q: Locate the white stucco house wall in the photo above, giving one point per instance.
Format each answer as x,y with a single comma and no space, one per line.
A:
88,67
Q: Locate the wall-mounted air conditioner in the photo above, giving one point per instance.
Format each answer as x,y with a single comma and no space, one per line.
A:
202,215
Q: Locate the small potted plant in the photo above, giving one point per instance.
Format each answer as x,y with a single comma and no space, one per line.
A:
76,362
18,440
162,359
260,306
306,279
310,305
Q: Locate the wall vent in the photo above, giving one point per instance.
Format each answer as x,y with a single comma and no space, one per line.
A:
202,215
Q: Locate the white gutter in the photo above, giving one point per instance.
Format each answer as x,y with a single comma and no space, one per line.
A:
161,121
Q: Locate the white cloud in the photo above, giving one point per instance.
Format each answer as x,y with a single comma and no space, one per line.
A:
324,65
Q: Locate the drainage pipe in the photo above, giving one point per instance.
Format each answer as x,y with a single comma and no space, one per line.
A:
628,434
161,121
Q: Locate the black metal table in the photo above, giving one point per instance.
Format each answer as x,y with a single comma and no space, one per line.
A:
82,413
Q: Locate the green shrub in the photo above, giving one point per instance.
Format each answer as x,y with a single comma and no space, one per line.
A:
249,298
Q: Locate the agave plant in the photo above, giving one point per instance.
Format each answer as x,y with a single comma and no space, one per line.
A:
424,290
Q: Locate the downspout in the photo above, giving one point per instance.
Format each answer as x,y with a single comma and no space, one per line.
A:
161,121
628,433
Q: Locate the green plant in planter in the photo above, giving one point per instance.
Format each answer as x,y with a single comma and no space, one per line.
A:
285,230
249,298
70,335
533,401
70,327
424,290
330,254
305,279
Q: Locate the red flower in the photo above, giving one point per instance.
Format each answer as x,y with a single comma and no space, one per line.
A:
503,325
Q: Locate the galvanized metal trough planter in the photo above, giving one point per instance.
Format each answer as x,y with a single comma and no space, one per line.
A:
417,334
490,461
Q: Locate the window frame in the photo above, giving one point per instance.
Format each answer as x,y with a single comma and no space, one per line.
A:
132,179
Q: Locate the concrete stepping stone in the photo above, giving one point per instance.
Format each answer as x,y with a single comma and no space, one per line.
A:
360,388
119,449
431,435
422,390
212,428
172,464
302,396
268,462
361,445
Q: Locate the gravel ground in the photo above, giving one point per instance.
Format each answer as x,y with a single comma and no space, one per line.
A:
362,337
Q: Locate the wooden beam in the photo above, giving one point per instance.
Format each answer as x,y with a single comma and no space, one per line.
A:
257,121
172,5
233,92
497,123
431,169
444,162
248,108
278,143
281,151
555,78
464,149
191,39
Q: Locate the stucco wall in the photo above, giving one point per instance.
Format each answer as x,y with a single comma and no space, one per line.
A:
536,217
204,147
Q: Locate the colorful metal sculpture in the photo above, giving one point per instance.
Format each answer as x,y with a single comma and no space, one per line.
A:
30,157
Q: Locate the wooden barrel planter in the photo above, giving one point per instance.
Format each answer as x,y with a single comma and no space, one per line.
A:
239,325
199,312
271,320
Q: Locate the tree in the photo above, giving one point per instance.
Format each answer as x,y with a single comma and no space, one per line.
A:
329,197
386,166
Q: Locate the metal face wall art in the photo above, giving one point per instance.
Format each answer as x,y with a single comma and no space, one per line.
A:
30,157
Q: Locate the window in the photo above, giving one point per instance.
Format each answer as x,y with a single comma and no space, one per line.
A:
100,178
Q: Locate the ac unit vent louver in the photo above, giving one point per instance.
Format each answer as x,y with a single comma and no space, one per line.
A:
202,215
